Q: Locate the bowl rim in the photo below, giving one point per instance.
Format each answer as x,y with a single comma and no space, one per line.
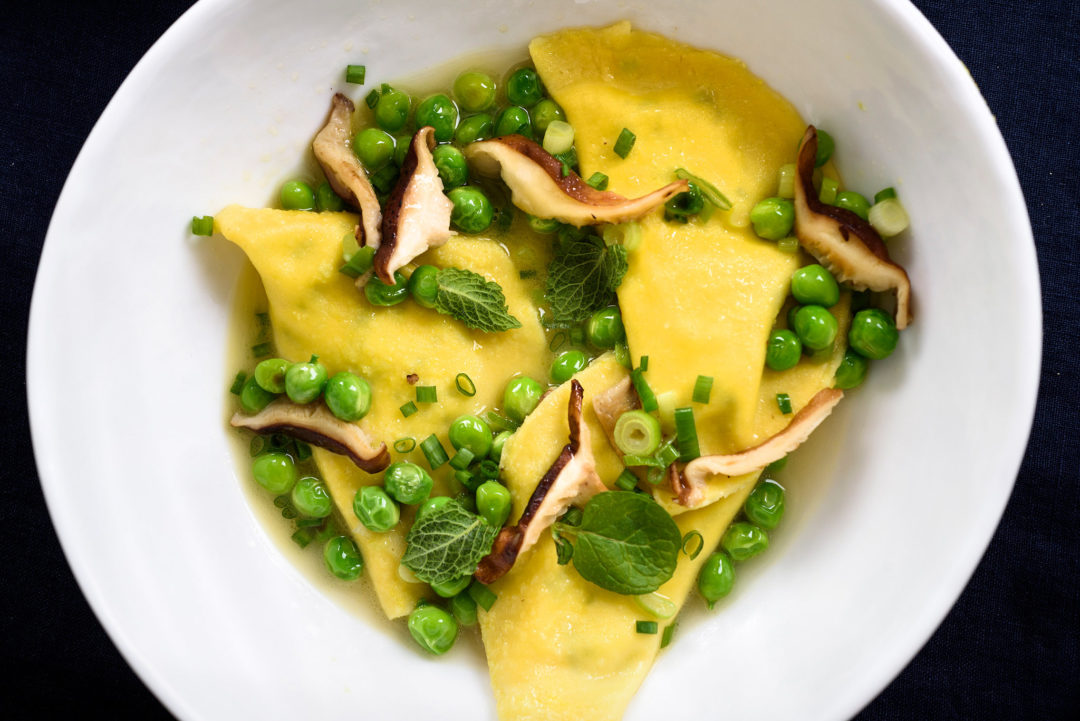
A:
918,30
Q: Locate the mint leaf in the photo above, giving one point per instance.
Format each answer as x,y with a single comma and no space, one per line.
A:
626,543
447,543
475,301
583,278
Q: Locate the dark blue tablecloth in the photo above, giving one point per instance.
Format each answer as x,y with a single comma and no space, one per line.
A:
1009,649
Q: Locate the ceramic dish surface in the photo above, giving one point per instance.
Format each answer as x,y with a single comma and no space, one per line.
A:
890,506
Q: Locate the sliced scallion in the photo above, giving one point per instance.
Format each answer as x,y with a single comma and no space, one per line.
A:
692,543
787,181
404,445
465,385
485,598
783,401
637,433
669,633
203,225
372,99
462,459
597,180
257,446
303,450
238,383
526,274
626,481
648,627
359,262
499,422
686,434
667,454
656,604
650,461
829,189
889,217
703,389
303,537
557,341
468,479
408,409
427,394
884,194
488,469
644,391
788,245
261,350
625,143
559,137
355,74
709,191
434,452
643,364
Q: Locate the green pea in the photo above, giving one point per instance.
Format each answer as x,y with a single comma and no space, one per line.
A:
567,364
424,285
348,396
270,374
474,91
311,499
253,397
431,505
856,203
816,326
401,149
392,110
433,629
825,148
305,381
814,285
744,540
783,351
773,218
521,397
297,195
852,371
474,128
452,588
440,113
497,445
275,472
544,112
765,504
407,483
513,120
605,328
375,509
464,609
716,578
379,293
472,211
523,88
374,148
493,503
450,162
873,334
471,432
685,205
326,200
343,558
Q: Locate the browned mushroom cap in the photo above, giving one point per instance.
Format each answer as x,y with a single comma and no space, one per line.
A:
315,424
538,186
571,479
417,213
346,176
843,242
690,489
611,404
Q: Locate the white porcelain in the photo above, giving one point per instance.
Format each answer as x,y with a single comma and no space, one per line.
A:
890,507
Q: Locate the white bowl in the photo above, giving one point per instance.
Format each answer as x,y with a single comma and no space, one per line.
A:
890,507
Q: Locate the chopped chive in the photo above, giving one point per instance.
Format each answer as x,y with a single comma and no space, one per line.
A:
238,383
626,481
203,225
692,543
686,434
279,442
643,364
355,74
408,409
641,461
261,350
526,274
488,469
710,192
788,245
465,385
289,512
557,341
569,160
783,400
622,354
405,445
372,99
303,450
257,446
359,262
281,501
572,517
499,422
462,459
625,143
598,181
385,88
703,389
644,391
309,522
427,394
434,452
884,194
669,633
467,479
667,454
303,537
263,319
648,627
485,598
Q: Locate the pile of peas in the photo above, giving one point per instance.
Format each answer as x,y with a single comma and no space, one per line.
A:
745,538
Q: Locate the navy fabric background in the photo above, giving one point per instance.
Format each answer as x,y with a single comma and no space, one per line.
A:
1010,648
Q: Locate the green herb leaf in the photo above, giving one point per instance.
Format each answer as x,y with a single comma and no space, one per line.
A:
447,543
476,302
583,278
626,543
